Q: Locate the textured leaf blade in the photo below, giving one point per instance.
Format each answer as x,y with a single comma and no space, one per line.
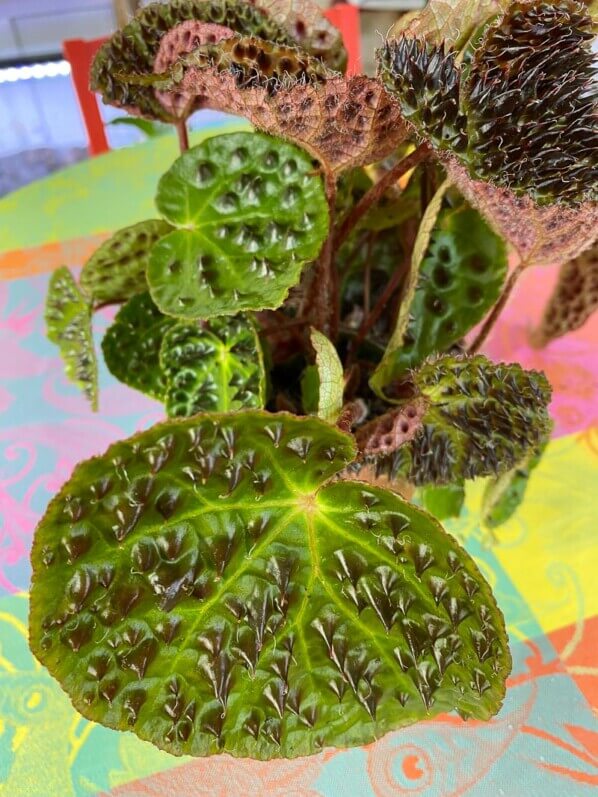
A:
251,213
215,367
68,322
469,417
170,600
330,377
573,300
131,345
116,271
452,21
460,279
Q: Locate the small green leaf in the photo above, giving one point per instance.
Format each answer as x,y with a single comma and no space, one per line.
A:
383,373
204,585
116,271
149,129
469,417
443,501
68,322
330,377
132,343
215,367
502,496
459,281
250,211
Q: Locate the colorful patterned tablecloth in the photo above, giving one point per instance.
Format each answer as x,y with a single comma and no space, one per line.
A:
543,566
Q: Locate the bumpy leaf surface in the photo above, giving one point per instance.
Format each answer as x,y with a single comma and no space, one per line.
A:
217,366
574,299
203,586
448,21
520,111
249,212
470,418
68,322
459,280
131,345
116,271
330,377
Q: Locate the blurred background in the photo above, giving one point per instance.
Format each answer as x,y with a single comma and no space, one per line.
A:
41,127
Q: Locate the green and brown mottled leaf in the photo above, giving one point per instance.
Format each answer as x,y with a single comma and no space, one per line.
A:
468,417
131,345
216,366
68,323
172,599
249,213
573,300
116,270
460,279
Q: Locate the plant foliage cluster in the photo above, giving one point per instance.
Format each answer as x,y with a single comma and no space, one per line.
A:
256,575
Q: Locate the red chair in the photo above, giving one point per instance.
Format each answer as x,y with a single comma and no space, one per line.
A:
80,54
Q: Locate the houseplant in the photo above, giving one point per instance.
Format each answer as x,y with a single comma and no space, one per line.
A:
253,575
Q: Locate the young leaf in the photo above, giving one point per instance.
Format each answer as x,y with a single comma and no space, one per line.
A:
470,417
384,371
116,271
330,379
217,366
459,281
68,322
170,601
131,345
574,299
250,212
503,495
443,501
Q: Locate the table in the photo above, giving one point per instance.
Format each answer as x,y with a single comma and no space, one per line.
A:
543,567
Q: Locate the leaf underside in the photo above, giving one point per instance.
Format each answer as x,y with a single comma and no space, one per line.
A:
68,322
249,212
116,271
131,345
136,47
216,367
330,379
201,585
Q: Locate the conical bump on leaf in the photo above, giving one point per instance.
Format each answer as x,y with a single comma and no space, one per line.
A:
574,299
171,599
481,419
427,82
532,103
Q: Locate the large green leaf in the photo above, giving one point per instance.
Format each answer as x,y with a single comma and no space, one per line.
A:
250,212
202,585
116,271
469,417
213,367
459,281
68,322
132,343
